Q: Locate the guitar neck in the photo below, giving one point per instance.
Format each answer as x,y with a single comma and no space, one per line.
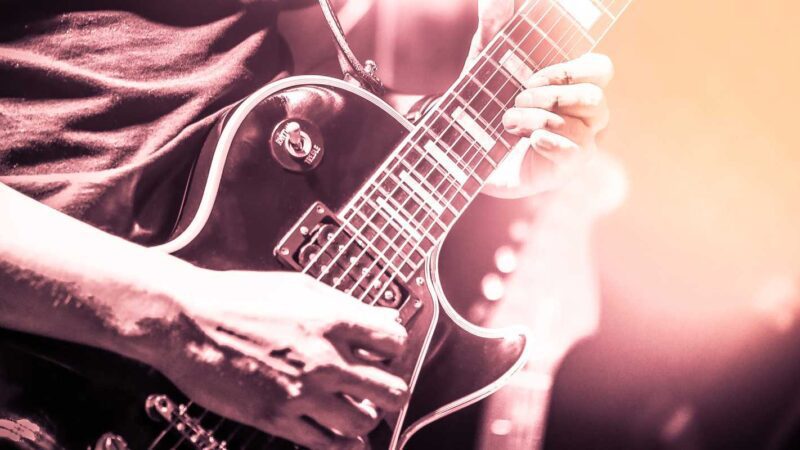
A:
410,203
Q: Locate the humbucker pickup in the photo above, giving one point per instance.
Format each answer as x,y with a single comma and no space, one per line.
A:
321,246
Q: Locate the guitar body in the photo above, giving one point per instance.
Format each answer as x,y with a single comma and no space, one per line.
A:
241,206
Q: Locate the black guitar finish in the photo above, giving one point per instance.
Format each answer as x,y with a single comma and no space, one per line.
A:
78,394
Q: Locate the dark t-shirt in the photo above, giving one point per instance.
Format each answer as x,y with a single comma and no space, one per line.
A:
105,104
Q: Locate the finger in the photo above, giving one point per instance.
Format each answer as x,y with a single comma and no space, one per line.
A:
306,433
553,146
374,329
584,101
343,417
387,391
592,68
522,121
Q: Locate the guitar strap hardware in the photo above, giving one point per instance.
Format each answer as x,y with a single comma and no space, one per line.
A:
353,71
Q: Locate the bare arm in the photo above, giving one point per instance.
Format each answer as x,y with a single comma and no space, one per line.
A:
62,278
230,340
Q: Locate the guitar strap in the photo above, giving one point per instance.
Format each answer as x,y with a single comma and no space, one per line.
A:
353,71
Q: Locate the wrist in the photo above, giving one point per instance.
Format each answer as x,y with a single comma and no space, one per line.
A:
158,322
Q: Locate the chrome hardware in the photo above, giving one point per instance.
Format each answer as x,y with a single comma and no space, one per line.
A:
160,408
297,145
296,139
111,441
370,66
318,244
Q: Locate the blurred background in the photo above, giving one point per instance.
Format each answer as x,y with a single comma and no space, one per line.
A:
695,259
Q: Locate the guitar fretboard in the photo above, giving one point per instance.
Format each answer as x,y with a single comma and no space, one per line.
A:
433,175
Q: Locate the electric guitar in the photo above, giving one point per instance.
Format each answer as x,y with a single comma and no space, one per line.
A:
316,175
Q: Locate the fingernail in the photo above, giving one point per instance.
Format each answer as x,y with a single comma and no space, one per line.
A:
544,142
556,122
511,119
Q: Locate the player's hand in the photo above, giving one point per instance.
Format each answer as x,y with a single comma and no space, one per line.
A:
561,110
278,351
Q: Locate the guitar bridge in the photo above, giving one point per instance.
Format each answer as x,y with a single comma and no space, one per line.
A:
161,408
334,253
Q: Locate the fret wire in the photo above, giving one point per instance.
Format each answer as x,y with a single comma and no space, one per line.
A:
409,218
472,144
391,197
446,148
372,244
435,193
379,209
471,158
531,52
500,69
485,110
376,254
373,182
479,118
410,170
580,28
603,8
546,37
391,176
375,228
482,88
436,166
252,436
465,136
445,182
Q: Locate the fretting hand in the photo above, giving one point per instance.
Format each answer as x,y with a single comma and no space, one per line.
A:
561,110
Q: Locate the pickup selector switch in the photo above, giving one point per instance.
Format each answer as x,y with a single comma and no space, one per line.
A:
296,144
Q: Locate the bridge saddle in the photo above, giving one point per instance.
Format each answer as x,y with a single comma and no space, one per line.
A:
161,408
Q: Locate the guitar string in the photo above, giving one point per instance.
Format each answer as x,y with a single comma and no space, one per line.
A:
199,421
482,65
613,21
236,429
443,110
474,144
365,190
478,152
557,48
440,115
166,430
373,185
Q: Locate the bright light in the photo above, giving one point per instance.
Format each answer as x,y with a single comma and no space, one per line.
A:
493,287
505,258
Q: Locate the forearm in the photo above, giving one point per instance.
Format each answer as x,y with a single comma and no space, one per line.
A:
64,279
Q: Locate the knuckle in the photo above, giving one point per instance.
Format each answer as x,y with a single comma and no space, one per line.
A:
328,370
523,98
593,96
563,76
363,424
604,64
